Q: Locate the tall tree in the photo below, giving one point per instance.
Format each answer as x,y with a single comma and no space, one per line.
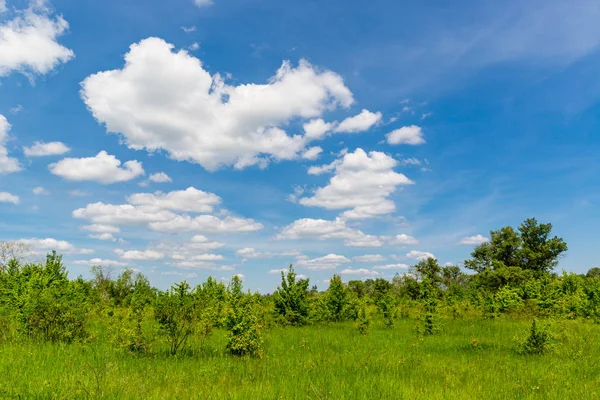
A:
291,298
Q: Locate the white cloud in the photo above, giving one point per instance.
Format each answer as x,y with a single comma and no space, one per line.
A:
419,255
308,228
140,255
361,271
188,29
100,262
173,103
6,197
404,239
98,228
410,161
194,46
3,6
474,240
7,164
160,177
391,266
203,3
28,42
39,149
359,123
278,271
39,191
103,168
49,244
191,199
241,276
123,214
412,135
317,128
251,253
312,153
369,258
16,109
362,182
330,261
104,236
207,223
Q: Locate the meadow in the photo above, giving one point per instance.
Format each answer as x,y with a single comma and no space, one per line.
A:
471,359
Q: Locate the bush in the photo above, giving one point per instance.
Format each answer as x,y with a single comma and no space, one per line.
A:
538,341
291,299
244,331
387,307
363,322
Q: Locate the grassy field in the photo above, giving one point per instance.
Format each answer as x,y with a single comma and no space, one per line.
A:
469,359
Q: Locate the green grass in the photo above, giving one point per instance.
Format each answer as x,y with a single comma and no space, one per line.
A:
469,359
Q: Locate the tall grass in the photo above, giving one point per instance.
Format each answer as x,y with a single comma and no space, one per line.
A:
470,359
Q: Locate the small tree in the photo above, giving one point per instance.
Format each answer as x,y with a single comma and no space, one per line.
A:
291,299
244,336
387,307
537,342
336,298
176,312
363,322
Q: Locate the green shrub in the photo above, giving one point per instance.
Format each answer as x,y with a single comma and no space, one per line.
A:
363,322
538,341
291,299
243,329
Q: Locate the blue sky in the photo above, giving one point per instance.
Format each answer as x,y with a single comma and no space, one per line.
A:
194,138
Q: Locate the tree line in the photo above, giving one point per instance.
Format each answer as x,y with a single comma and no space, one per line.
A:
512,275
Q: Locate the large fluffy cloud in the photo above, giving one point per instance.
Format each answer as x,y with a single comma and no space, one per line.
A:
103,168
28,42
7,164
362,183
412,135
191,199
165,99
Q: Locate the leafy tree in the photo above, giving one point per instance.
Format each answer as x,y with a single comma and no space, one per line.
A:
337,298
539,252
363,322
244,336
387,307
16,251
176,312
593,273
291,299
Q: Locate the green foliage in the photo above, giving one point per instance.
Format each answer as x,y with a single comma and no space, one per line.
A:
243,328
538,341
291,299
363,322
336,299
177,313
387,307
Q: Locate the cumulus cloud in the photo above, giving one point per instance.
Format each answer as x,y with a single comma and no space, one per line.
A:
330,261
140,255
39,149
412,135
419,255
49,244
100,262
207,223
7,164
191,199
360,271
172,103
40,191
474,240
404,239
317,128
359,123
312,153
160,177
28,42
102,168
6,197
308,228
98,228
103,236
362,182
369,258
391,266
